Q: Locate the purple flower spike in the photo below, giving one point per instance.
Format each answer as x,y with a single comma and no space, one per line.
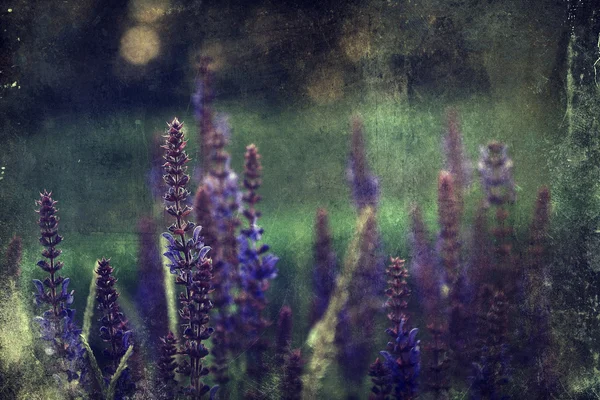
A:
188,261
364,185
114,326
495,168
256,270
56,323
402,361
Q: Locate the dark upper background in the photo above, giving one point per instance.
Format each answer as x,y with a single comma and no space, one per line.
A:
97,55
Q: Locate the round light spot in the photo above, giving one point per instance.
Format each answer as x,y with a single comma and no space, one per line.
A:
139,45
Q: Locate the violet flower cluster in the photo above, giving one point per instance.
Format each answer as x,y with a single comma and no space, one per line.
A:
57,323
114,329
364,185
221,188
202,101
187,259
257,269
495,168
402,361
216,206
491,371
455,161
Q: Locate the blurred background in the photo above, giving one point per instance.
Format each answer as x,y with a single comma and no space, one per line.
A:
86,85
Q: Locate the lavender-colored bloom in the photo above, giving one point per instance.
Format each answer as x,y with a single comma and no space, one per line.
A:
257,268
449,249
429,279
188,261
57,324
217,204
202,101
364,185
403,358
404,362
495,168
114,328
492,370
455,161
423,265
166,382
221,186
382,381
291,383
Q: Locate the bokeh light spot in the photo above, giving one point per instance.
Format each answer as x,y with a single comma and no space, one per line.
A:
139,45
356,39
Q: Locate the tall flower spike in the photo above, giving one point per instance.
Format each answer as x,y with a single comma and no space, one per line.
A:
403,358
449,227
491,371
495,168
216,205
382,381
257,269
48,223
202,101
57,323
428,278
166,382
114,327
423,265
221,187
449,247
189,262
364,185
291,384
456,163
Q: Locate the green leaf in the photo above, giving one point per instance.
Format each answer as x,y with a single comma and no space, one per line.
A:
110,394
94,364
